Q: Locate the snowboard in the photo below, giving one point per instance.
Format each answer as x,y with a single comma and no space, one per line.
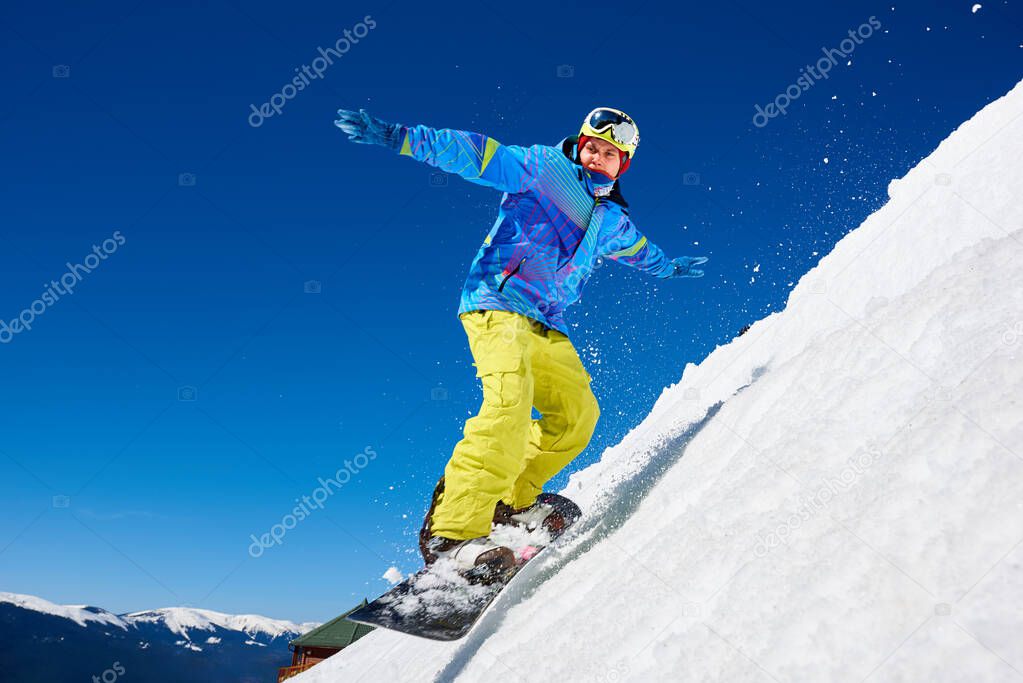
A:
440,603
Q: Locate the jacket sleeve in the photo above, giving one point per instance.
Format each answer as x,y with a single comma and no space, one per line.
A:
476,157
620,241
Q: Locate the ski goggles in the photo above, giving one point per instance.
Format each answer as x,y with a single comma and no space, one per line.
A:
616,124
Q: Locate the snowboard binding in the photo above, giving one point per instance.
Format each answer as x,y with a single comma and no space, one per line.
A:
551,512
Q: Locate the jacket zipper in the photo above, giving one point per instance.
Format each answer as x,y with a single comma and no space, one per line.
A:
509,275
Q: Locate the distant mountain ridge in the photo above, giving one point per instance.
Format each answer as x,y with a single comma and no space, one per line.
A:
41,640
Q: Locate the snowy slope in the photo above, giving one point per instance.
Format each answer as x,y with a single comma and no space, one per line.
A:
837,495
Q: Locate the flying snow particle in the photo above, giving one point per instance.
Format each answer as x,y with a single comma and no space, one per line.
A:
976,8
393,575
825,160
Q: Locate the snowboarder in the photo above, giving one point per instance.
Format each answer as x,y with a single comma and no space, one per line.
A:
561,210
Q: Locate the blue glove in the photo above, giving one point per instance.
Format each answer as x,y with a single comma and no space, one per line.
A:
367,130
684,266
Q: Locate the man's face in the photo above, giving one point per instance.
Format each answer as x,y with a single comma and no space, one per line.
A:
600,156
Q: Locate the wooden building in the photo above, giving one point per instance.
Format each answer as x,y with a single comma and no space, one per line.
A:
323,641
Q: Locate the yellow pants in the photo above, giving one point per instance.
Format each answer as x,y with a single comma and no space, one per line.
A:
506,454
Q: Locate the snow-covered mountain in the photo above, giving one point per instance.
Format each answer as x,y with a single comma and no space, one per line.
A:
836,495
185,621
41,640
80,614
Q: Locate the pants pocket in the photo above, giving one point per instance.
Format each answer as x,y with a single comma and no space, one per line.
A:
502,389
498,341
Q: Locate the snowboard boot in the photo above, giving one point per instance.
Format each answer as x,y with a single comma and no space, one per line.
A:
479,559
548,512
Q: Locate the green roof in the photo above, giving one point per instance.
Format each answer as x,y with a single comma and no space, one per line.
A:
337,633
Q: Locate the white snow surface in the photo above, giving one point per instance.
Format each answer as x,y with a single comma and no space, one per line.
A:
836,495
393,575
179,620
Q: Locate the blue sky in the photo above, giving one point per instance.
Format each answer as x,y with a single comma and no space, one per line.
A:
189,389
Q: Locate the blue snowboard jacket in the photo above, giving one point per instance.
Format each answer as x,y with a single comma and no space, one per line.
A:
555,220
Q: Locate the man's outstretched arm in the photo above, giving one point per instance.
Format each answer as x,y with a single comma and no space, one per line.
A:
476,157
621,241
